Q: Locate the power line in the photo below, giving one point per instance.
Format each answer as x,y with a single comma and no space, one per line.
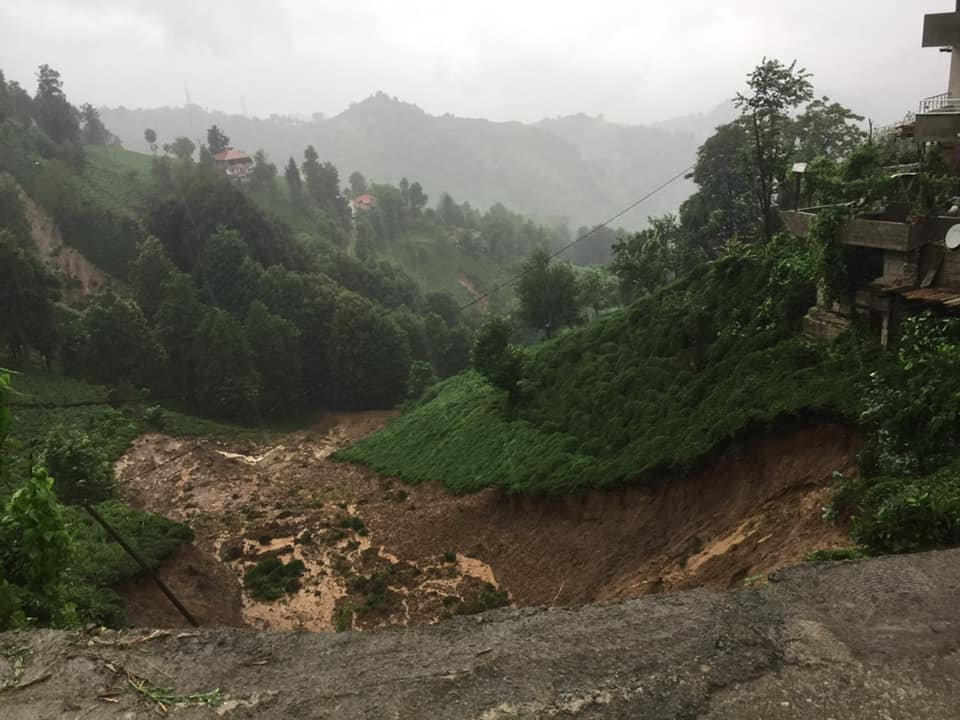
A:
596,228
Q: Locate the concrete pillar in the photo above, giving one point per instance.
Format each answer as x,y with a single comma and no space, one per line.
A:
954,88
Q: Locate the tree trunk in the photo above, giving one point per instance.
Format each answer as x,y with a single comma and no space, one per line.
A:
764,191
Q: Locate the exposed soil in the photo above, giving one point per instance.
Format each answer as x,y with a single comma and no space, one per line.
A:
873,639
80,278
482,300
379,553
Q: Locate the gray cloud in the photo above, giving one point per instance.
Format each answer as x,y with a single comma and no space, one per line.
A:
630,60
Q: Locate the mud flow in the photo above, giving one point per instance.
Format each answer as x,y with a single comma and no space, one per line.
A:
378,553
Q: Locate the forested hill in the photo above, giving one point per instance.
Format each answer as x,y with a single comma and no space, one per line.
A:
579,168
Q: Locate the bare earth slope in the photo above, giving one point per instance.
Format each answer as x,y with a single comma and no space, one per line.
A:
872,639
751,510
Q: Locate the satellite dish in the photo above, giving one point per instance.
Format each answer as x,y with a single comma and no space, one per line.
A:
953,238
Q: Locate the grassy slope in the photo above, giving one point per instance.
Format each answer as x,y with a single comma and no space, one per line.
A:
436,264
117,177
658,385
37,407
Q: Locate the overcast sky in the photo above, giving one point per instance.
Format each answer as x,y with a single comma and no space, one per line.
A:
630,60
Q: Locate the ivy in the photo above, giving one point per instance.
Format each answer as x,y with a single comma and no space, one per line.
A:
829,258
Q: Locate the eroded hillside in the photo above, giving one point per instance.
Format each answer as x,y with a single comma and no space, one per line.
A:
382,553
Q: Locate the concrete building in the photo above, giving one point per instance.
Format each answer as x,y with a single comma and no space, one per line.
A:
901,263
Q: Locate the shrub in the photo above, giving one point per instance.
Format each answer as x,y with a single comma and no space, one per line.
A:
271,579
490,597
903,514
79,466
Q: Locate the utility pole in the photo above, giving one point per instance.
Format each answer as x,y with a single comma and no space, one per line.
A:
141,562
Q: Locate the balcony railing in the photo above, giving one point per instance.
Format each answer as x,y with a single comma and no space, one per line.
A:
940,104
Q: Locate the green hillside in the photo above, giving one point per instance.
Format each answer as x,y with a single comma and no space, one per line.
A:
656,386
438,264
578,168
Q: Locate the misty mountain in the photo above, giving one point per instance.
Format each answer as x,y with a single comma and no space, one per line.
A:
578,168
701,125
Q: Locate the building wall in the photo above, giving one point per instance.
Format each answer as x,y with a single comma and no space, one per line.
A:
950,270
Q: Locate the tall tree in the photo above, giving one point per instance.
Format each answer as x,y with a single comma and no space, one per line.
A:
727,205
227,381
217,140
275,345
27,295
358,183
547,293
449,212
774,91
150,135
827,129
227,275
119,345
418,199
150,275
181,148
54,114
370,355
648,259
292,175
264,171
94,131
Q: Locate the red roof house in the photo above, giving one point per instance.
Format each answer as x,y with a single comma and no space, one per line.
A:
235,165
364,202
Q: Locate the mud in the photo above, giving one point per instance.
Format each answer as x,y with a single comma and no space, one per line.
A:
380,553
871,639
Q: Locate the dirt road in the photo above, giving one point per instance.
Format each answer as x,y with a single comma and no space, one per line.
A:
871,639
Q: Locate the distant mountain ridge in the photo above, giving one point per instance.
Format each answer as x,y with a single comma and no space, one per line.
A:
578,168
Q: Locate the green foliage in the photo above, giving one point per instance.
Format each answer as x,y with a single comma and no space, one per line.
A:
217,140
181,148
912,401
725,206
27,294
548,294
35,551
649,259
118,345
421,378
227,275
81,468
54,114
99,563
597,289
902,514
496,359
827,129
369,354
775,90
831,266
13,217
150,276
189,207
490,598
86,210
227,382
659,385
275,345
271,579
